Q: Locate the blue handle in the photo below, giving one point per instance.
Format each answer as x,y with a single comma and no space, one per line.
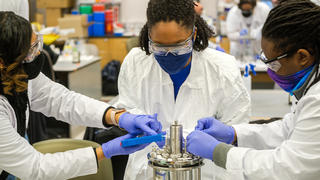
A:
252,69
142,140
246,71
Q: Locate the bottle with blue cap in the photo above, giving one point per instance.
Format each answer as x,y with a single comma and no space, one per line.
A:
247,79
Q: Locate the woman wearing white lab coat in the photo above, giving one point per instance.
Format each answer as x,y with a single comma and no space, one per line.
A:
175,51
287,149
23,87
244,23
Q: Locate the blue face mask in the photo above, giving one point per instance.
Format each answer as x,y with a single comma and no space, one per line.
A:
173,64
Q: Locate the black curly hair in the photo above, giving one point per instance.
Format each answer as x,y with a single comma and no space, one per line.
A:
294,25
180,11
252,2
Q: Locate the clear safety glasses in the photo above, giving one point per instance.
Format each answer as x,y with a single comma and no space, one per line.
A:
264,59
184,47
273,63
35,49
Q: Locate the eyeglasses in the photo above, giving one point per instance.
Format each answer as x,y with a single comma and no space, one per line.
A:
264,59
35,49
184,47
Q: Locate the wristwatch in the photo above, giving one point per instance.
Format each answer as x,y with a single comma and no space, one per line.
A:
114,112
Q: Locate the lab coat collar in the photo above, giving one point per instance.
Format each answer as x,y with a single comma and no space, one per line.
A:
195,79
302,90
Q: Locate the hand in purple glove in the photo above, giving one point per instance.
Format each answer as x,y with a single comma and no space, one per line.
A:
140,124
201,144
114,148
217,129
163,142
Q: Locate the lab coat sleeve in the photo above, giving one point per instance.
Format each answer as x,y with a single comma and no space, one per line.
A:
24,9
263,136
19,158
233,26
297,157
127,87
54,100
235,107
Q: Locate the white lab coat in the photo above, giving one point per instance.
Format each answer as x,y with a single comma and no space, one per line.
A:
214,87
19,7
19,158
236,22
282,150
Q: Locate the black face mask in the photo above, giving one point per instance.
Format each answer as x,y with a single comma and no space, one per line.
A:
34,68
246,13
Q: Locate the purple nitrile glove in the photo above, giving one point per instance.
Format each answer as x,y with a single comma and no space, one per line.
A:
140,124
201,144
163,142
114,148
217,129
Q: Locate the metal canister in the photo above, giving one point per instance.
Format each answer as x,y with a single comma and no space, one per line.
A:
176,138
171,162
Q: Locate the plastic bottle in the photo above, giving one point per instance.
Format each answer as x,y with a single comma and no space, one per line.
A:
247,79
75,52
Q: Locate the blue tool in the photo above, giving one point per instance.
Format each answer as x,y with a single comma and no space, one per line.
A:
142,140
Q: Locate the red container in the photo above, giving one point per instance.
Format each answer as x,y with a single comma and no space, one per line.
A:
109,21
116,14
109,15
109,28
98,7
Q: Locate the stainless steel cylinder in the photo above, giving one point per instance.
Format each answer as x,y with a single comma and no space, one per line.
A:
176,138
171,162
189,173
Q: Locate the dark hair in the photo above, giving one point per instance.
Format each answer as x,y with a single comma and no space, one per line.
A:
252,2
293,25
15,39
180,11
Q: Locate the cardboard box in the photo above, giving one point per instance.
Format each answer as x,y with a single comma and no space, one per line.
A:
55,3
40,18
74,26
52,16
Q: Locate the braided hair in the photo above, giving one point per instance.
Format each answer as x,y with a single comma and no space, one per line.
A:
180,11
293,25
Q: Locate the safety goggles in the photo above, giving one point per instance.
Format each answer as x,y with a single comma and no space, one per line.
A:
184,47
273,63
35,49
264,59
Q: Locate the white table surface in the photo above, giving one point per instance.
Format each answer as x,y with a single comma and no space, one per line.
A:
66,65
259,66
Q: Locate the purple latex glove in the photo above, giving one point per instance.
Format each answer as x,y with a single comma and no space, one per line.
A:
140,124
114,148
161,143
217,129
201,144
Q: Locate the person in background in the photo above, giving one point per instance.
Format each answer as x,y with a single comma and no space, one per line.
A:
286,149
243,26
199,11
174,74
19,7
24,88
